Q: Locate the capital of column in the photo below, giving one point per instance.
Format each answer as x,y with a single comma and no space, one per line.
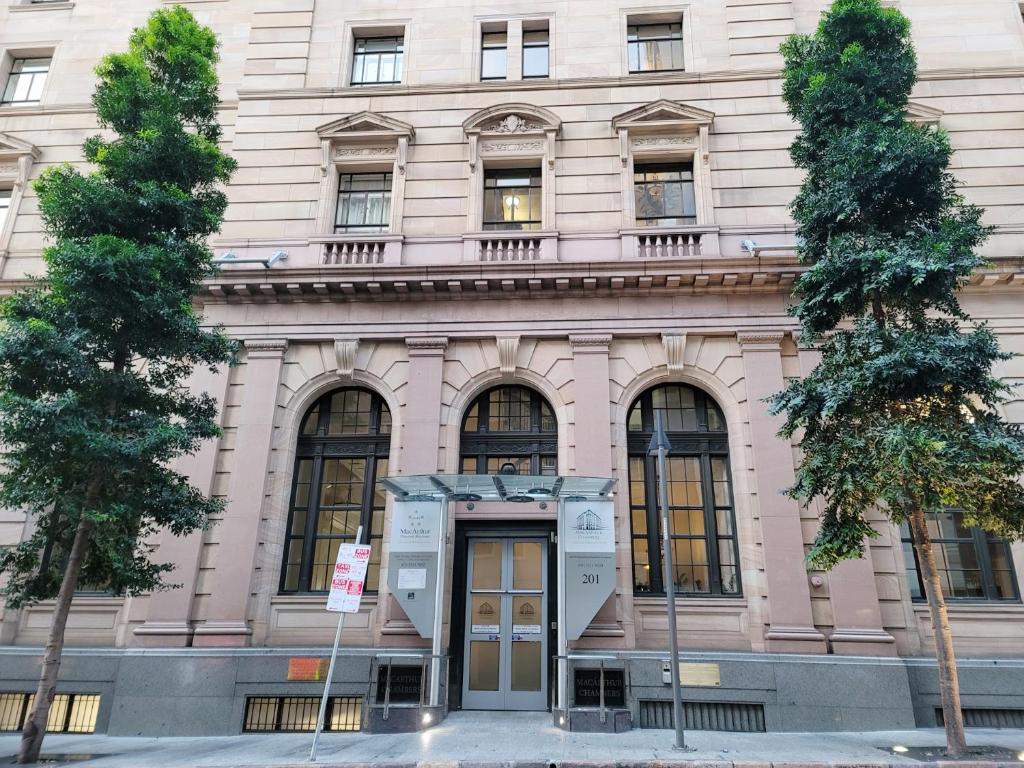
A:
766,340
266,347
426,346
583,343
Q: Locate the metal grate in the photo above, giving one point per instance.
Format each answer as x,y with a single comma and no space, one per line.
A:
705,716
298,713
69,712
976,717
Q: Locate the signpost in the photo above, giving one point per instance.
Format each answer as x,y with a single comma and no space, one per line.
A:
660,445
347,584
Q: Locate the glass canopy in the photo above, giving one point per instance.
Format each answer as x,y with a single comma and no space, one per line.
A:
521,488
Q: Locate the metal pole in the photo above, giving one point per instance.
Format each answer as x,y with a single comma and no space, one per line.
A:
563,644
330,673
670,587
435,661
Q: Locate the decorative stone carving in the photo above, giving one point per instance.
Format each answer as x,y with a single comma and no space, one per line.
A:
265,347
426,345
9,169
508,348
590,342
665,141
512,146
513,124
768,338
363,151
675,349
345,356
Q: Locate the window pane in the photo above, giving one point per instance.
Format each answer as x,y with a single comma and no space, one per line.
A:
527,565
526,666
5,204
641,566
486,564
377,60
492,63
535,61
483,665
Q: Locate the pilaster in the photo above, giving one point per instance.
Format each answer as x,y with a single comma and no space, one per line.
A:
421,432
227,611
852,591
791,624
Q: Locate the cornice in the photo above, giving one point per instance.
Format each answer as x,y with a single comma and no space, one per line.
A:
760,340
574,83
426,346
266,347
584,343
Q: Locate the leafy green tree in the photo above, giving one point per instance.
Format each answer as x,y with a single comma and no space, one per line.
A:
901,415
94,357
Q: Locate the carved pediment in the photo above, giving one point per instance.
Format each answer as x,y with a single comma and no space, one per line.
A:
504,119
16,158
663,114
919,113
365,125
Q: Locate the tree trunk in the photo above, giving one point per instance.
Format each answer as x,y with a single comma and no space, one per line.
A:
949,681
35,726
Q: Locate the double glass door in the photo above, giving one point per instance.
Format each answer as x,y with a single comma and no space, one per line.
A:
506,649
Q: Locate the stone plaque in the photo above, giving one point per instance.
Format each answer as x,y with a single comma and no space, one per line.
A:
587,688
405,684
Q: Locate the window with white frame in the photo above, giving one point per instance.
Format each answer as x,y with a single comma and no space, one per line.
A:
664,194
536,52
654,47
377,60
5,206
513,199
25,81
364,202
494,53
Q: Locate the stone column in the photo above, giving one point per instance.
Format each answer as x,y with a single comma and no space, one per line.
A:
169,612
421,432
593,436
226,622
791,625
853,593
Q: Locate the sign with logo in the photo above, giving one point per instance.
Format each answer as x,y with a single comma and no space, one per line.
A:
588,541
307,670
412,560
349,578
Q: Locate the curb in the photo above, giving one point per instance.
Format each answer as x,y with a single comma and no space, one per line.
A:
695,763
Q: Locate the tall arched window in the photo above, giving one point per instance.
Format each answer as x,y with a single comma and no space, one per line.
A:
342,453
703,526
509,425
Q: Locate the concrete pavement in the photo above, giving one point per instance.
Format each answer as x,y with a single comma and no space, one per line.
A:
501,740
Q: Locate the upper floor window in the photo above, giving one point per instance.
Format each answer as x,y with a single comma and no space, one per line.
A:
364,203
654,47
972,563
664,194
26,81
512,199
536,47
377,60
703,526
342,454
510,427
494,55
5,206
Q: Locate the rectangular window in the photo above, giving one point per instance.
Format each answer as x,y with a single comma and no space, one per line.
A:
654,47
364,203
298,714
512,199
5,206
535,53
69,712
494,55
664,195
972,563
26,81
377,60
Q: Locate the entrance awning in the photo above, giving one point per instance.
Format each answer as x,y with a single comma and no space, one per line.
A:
517,488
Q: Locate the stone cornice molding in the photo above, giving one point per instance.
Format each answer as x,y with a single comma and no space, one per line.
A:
426,346
345,356
760,340
590,343
265,347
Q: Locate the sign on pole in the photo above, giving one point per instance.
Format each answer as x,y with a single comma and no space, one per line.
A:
588,541
349,578
413,560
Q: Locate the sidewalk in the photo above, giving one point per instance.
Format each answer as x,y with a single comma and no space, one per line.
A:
525,739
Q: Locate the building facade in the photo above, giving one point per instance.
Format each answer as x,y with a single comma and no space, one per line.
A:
500,237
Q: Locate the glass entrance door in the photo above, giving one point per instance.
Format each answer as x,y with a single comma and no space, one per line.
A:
506,619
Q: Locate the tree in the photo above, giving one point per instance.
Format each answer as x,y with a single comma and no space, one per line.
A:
94,356
901,414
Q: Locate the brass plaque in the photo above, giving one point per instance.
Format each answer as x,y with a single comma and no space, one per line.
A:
309,670
700,675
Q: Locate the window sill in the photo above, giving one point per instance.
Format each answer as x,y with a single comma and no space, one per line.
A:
646,599
969,606
319,598
20,7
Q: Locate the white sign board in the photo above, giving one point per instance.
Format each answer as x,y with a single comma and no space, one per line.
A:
349,578
416,531
588,542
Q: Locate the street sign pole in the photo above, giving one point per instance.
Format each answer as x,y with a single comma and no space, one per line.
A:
330,673
660,444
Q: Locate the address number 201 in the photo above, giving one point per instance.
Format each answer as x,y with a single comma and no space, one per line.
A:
590,578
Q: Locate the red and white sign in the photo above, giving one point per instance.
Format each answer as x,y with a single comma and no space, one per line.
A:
349,578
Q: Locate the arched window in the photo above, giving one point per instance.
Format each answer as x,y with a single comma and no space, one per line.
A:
342,453
509,425
703,526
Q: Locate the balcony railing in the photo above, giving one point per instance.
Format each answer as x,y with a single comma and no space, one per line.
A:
511,246
681,243
362,250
